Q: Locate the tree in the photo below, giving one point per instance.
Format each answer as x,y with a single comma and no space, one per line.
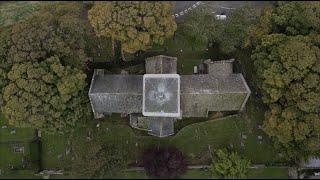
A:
229,165
164,162
201,27
286,59
287,17
96,159
42,82
136,24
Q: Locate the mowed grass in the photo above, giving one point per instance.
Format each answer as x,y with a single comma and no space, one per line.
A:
197,174
20,174
22,134
193,140
52,147
8,157
268,173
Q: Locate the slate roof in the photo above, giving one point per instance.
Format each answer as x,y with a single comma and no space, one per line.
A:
203,93
221,68
161,65
116,93
184,96
161,126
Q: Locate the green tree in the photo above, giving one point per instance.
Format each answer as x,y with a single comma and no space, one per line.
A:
96,159
229,165
288,74
136,24
41,76
287,17
201,27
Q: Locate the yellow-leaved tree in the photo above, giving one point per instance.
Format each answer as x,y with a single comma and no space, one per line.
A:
137,25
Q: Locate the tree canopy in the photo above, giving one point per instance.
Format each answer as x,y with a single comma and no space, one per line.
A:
164,162
99,159
41,61
136,24
229,165
287,65
201,27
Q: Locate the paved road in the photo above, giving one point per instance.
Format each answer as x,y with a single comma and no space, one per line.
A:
218,7
182,5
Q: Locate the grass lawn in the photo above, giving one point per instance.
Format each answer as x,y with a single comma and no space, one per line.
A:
20,174
10,158
131,175
54,146
264,173
216,133
268,173
190,174
197,174
22,134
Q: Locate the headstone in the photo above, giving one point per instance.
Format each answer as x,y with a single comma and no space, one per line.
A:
39,133
136,144
4,127
68,150
60,156
259,126
242,144
98,125
195,69
244,136
260,137
13,131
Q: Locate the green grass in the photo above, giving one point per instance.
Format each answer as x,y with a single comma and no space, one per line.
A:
131,175
100,48
216,133
197,174
268,173
22,134
8,157
52,147
20,174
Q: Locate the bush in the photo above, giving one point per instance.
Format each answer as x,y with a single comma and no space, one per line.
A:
167,162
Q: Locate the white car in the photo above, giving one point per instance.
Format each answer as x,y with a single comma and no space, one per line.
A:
221,17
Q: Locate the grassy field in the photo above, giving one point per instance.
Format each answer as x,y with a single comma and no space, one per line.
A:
52,147
22,134
263,173
268,173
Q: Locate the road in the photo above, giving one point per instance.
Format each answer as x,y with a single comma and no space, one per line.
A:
182,8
